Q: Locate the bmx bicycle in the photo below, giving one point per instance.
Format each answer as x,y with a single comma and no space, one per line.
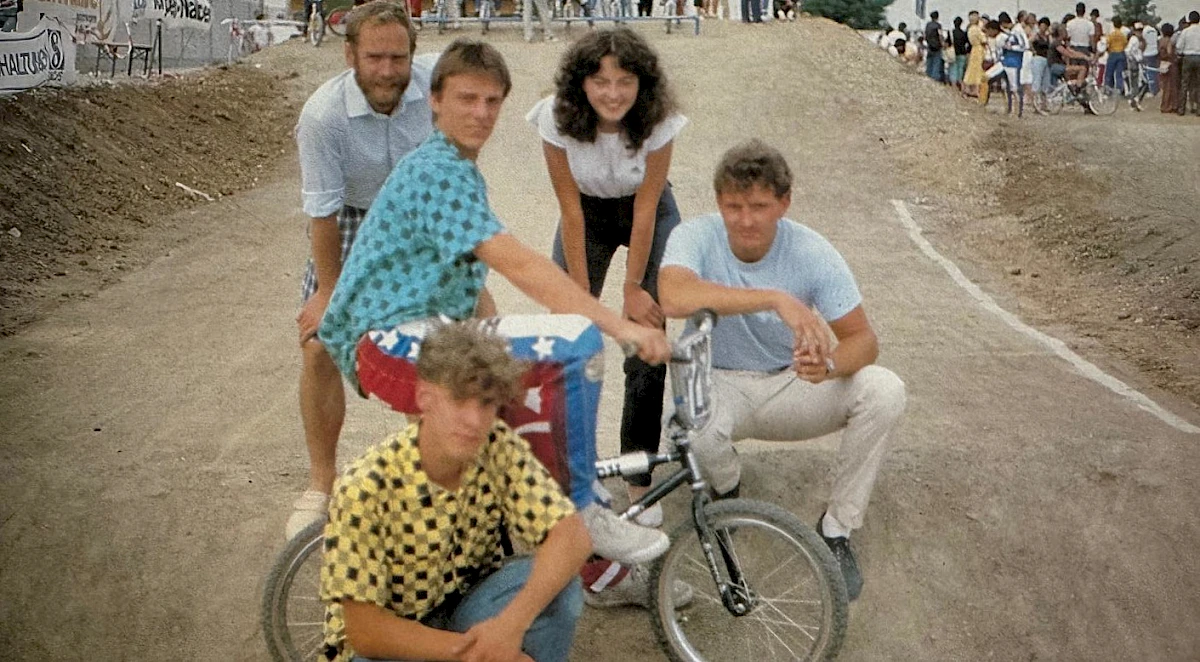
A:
1091,97
765,585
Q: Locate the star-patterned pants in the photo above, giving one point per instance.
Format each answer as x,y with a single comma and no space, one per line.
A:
557,416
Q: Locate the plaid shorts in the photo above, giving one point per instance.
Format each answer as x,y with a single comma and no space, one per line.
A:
348,221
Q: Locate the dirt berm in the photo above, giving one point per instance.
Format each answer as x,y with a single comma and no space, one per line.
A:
150,442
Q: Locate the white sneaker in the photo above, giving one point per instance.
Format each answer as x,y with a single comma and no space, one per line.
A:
312,506
651,517
635,590
618,540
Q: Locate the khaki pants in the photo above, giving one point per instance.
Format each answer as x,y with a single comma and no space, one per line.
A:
781,407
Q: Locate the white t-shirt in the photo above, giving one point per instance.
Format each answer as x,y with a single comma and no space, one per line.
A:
605,168
1150,35
1080,31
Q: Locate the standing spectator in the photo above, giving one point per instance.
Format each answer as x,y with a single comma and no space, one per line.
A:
543,11
751,11
607,137
961,48
350,134
1133,65
1013,46
1169,59
1097,28
1114,69
1080,31
976,48
1027,24
1189,71
1150,56
1040,64
8,15
934,65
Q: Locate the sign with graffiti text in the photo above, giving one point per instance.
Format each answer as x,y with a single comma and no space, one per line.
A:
180,13
42,56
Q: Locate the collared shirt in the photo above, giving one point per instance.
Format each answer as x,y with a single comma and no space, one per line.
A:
400,541
605,167
347,149
413,256
1189,41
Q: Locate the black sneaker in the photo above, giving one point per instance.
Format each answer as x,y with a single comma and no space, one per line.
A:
845,558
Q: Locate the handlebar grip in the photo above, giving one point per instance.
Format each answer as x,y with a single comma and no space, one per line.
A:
629,349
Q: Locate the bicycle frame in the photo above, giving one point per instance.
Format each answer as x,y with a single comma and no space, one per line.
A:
691,379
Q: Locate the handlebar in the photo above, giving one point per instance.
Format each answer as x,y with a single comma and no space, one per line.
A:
703,320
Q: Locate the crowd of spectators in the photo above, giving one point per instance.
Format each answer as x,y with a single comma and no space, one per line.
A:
1027,57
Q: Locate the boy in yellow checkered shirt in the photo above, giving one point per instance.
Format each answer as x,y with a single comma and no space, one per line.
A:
413,565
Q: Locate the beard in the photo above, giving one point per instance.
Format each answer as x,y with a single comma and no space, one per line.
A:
382,94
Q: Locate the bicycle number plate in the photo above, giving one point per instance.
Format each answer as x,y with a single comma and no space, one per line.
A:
691,384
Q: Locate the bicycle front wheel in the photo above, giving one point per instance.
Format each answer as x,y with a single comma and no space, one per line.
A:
293,617
782,572
1102,100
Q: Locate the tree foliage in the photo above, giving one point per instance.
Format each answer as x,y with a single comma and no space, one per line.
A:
858,14
1136,10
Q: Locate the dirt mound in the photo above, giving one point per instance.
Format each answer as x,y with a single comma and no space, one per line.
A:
87,173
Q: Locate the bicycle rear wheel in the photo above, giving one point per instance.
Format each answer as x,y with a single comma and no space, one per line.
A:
293,617
337,21
797,598
1102,100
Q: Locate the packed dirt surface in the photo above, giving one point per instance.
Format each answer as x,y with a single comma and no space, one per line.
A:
151,443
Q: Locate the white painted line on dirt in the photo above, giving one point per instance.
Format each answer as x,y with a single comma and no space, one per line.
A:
1086,368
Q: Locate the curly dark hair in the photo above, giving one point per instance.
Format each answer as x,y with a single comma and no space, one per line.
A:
576,118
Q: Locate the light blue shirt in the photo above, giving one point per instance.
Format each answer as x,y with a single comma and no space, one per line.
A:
799,262
347,150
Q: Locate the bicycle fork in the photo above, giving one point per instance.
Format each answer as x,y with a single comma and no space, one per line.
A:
735,594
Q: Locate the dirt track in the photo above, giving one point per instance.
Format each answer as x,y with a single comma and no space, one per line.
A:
151,441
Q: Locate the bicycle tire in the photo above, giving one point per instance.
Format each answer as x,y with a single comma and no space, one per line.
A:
780,557
336,21
1055,101
1102,102
316,28
293,617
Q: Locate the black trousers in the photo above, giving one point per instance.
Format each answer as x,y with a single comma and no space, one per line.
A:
607,224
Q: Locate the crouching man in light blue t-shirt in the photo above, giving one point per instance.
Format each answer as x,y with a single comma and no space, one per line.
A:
778,375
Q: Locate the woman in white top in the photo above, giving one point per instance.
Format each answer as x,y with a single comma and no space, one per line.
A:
607,137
